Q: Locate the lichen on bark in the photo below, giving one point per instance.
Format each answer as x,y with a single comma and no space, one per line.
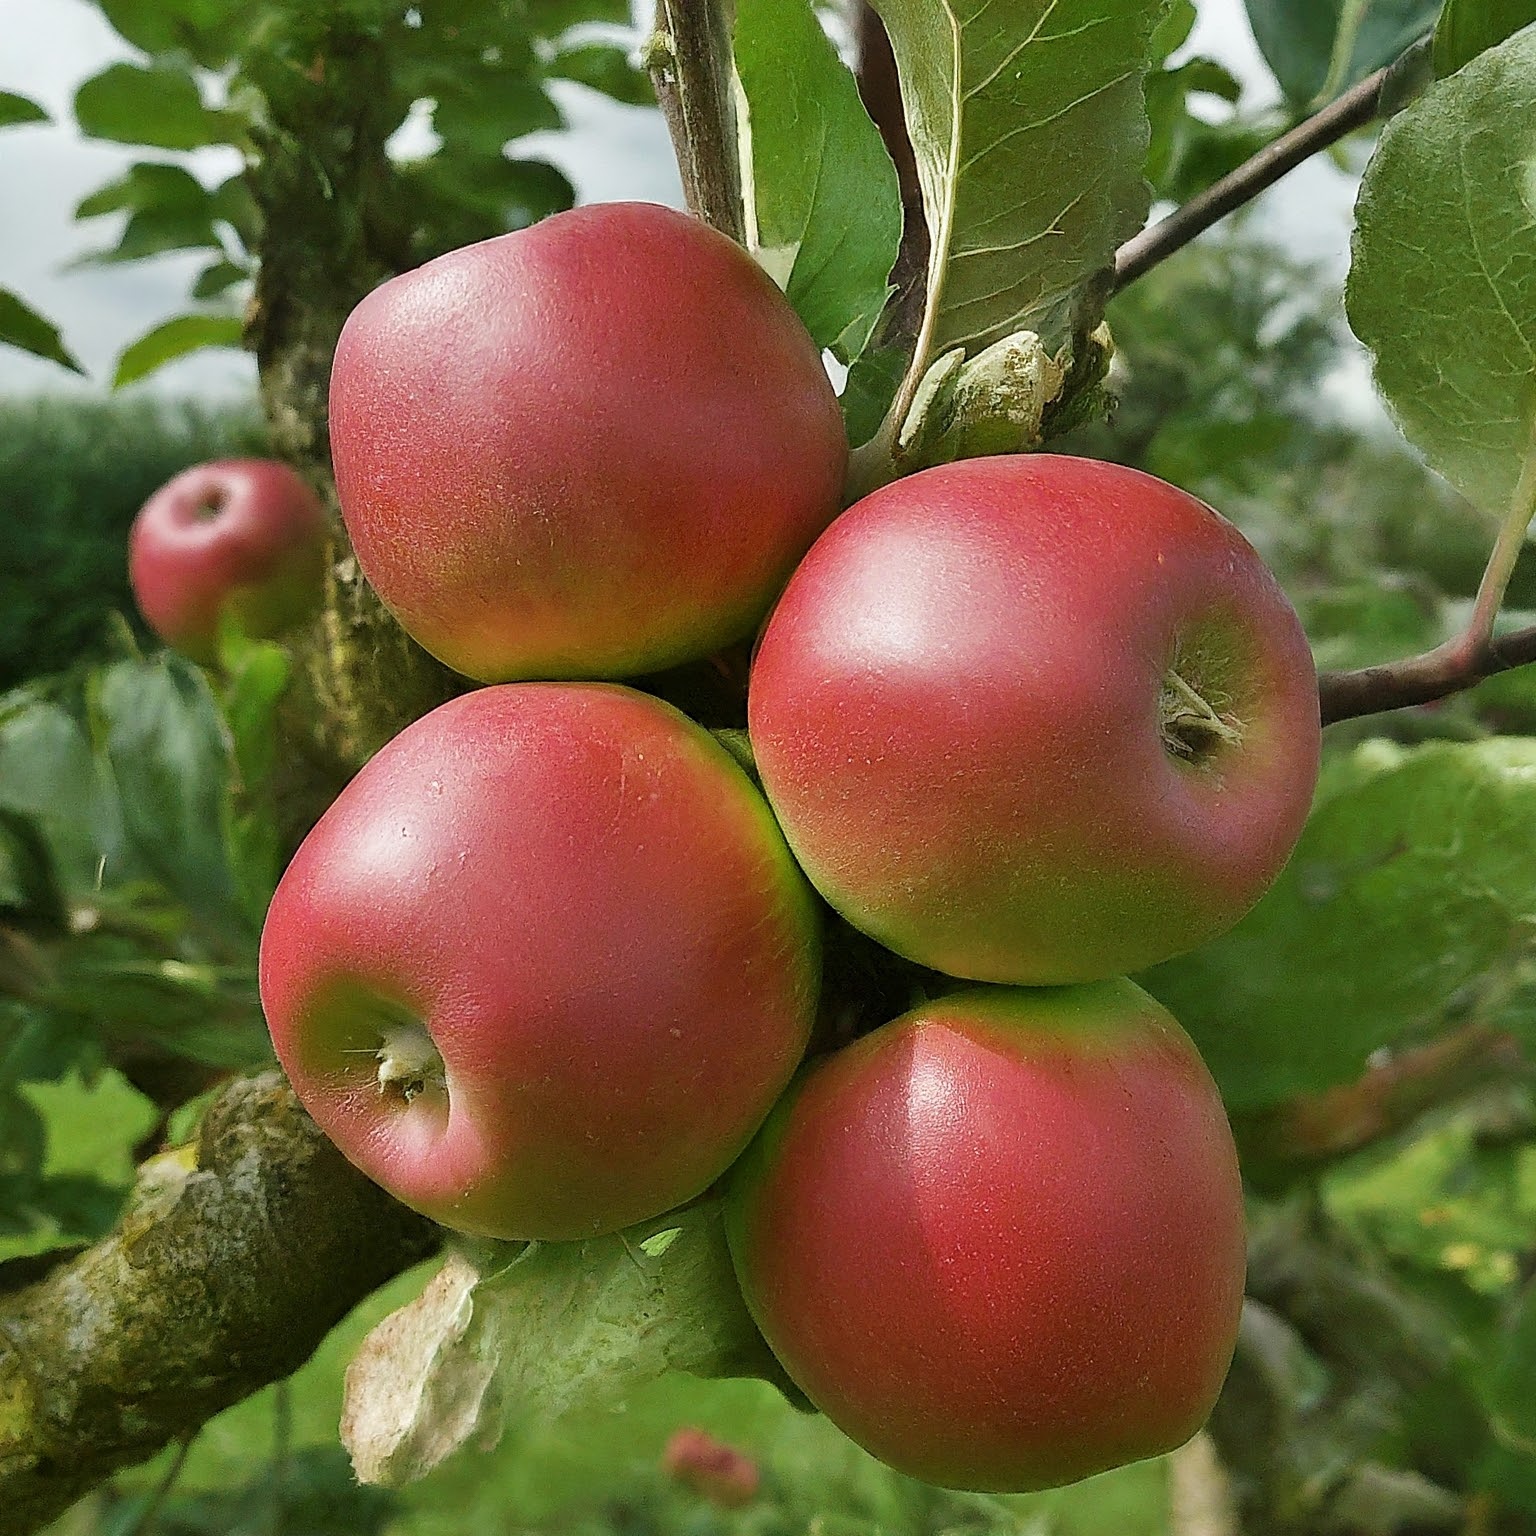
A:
234,1258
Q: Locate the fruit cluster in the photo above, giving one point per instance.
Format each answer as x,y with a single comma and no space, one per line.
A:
551,961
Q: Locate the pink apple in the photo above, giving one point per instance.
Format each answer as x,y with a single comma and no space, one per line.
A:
545,965
591,448
239,540
999,1241
1036,719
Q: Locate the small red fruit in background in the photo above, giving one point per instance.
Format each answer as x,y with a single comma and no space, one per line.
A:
999,1241
592,448
545,965
238,539
711,1468
1036,719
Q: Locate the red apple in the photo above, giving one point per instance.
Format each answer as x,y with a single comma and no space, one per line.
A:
545,965
1036,719
239,539
591,448
728,1478
999,1242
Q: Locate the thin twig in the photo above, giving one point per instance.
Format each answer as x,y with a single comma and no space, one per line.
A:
1355,108
688,60
1461,663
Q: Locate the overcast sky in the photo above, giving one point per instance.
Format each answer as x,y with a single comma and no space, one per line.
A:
47,47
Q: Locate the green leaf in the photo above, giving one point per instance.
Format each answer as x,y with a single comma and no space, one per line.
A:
165,740
1443,283
155,230
173,339
1318,48
206,29
1411,887
1469,27
483,111
217,278
824,203
532,1333
156,104
50,775
20,109
1030,135
21,326
29,886
606,68
1511,1388
149,184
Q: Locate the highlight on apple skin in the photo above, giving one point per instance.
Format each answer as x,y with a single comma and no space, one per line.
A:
545,965
999,1241
1036,719
591,448
235,539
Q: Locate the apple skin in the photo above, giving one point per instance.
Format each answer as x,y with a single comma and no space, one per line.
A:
243,538
999,1241
588,449
955,708
589,909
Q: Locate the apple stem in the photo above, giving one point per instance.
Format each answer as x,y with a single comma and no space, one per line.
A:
1191,728
409,1063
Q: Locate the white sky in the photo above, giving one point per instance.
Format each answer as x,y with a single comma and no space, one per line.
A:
47,47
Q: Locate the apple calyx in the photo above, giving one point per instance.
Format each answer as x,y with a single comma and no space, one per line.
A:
409,1063
1192,729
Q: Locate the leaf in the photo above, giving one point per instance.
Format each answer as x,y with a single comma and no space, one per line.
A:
50,775
606,68
173,339
1028,127
165,741
823,204
1469,27
21,326
29,887
217,278
206,29
150,183
1318,48
1411,886
155,230
156,104
20,109
1442,286
533,1333
483,111
1511,1386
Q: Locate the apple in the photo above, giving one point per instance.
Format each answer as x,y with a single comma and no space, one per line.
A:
1036,719
239,540
545,965
999,1241
716,1471
595,447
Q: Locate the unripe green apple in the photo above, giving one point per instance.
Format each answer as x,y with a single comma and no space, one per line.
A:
999,1241
545,965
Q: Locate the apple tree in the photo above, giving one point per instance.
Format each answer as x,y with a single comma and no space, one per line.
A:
1003,226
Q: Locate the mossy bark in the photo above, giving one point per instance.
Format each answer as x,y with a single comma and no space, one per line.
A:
234,1258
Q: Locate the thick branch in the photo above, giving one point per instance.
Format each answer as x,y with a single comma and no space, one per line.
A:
689,60
1437,674
1355,108
228,1268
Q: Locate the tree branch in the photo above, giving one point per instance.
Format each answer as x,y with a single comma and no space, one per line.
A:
689,62
1355,108
233,1260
